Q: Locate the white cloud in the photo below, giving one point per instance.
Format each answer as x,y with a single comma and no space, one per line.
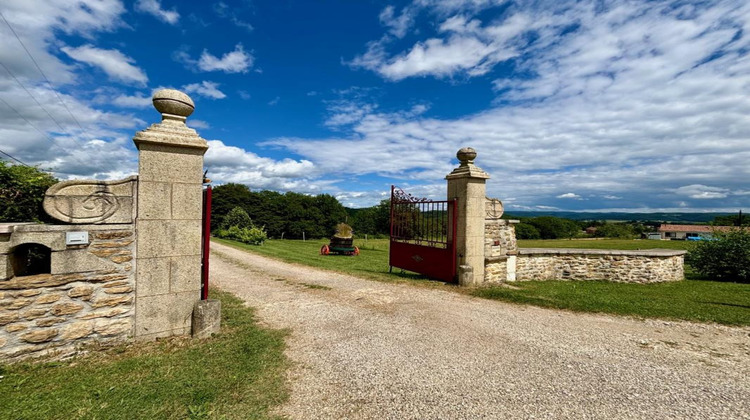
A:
193,123
237,61
702,192
153,7
398,24
570,195
117,65
132,101
205,88
233,164
274,101
633,103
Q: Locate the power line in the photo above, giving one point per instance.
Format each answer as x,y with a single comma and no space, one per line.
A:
17,160
32,97
42,73
27,121
37,129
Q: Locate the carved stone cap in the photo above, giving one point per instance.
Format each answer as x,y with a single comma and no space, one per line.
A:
170,102
175,107
467,169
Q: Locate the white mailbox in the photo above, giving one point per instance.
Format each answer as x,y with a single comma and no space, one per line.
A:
76,238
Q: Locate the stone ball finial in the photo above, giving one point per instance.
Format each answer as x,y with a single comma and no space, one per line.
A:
173,102
466,155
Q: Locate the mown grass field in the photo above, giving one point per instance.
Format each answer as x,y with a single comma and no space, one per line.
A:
238,374
694,299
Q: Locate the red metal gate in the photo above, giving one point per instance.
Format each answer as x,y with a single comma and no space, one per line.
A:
422,235
206,241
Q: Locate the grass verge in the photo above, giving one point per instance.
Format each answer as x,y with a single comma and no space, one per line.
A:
695,299
692,300
237,374
371,263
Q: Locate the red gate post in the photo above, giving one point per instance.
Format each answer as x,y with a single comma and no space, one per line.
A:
206,237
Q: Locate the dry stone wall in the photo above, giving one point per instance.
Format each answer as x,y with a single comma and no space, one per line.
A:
649,266
87,296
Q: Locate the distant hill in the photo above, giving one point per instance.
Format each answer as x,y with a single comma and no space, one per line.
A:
688,218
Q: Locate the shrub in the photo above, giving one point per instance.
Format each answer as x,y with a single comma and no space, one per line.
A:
526,231
22,191
725,257
253,235
237,217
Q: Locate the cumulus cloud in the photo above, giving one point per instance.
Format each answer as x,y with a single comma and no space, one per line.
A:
237,61
570,195
234,164
645,105
702,192
153,7
117,65
206,89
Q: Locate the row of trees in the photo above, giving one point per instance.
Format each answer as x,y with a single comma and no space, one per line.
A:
290,215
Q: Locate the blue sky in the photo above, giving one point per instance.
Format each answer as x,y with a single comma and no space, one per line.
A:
571,105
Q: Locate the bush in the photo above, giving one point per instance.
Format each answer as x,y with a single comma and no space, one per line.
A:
526,231
253,235
237,217
726,257
22,191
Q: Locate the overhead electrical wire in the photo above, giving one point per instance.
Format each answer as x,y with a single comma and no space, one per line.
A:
52,88
41,72
32,97
14,158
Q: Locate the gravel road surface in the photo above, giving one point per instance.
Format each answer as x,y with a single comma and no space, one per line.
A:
369,350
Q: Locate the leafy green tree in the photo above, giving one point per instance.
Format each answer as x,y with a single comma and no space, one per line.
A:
726,257
237,217
22,191
551,227
527,231
225,198
731,220
615,230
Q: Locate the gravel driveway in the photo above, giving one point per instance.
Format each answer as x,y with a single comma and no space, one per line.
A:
364,349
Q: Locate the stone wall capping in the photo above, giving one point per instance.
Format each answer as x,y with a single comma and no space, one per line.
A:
577,251
10,227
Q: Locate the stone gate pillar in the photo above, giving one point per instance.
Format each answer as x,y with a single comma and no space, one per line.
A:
467,184
168,223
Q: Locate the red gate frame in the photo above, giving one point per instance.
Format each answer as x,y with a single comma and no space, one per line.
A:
433,262
206,238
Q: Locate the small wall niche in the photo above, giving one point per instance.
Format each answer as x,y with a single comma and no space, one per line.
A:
30,259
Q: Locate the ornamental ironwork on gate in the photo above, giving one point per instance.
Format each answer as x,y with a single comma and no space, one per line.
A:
423,235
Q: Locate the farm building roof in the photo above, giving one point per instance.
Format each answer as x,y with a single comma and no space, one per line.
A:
693,228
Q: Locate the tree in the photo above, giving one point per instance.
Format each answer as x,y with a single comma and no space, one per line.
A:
237,217
22,191
526,231
551,227
615,230
726,257
225,198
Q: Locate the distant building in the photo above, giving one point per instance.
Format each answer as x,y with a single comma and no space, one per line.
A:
683,232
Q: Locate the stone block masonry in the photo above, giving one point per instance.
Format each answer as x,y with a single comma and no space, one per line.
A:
88,296
648,266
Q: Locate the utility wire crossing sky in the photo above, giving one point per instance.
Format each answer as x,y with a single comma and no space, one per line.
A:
571,105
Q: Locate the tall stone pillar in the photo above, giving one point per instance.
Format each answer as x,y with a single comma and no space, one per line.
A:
168,222
467,184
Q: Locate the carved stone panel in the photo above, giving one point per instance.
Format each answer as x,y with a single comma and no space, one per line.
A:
493,208
92,202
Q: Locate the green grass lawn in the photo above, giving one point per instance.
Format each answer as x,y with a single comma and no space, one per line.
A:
693,299
371,263
237,374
